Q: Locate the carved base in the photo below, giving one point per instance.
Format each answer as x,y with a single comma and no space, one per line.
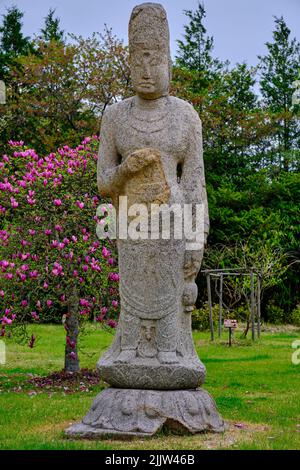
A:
154,376
141,413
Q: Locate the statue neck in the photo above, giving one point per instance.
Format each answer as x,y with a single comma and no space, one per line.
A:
151,104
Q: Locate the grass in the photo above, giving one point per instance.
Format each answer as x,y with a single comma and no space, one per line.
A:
256,388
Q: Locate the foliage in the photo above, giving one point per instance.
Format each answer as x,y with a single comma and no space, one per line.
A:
13,43
200,317
279,69
56,95
51,30
275,314
295,316
195,51
51,262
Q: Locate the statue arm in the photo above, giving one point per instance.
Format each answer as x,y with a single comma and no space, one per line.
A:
110,173
194,188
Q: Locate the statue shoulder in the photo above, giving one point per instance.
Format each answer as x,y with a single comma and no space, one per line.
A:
113,111
186,110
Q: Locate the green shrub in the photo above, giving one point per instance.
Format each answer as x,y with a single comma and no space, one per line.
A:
295,316
200,317
275,314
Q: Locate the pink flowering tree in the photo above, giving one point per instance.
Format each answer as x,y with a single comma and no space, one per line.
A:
52,265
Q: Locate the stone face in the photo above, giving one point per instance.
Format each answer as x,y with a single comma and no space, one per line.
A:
151,155
142,413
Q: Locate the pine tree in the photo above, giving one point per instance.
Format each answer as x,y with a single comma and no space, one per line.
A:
195,51
279,70
52,31
12,43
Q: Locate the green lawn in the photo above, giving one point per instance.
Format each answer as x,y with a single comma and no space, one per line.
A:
256,387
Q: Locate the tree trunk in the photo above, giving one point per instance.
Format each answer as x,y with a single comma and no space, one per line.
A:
72,330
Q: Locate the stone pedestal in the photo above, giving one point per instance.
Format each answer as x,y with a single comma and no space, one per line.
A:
142,413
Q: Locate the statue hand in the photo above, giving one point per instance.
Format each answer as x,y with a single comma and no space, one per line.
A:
140,159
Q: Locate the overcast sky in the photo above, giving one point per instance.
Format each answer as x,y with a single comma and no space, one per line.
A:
240,27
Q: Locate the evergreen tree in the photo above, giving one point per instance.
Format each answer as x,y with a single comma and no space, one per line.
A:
52,31
195,51
12,43
279,69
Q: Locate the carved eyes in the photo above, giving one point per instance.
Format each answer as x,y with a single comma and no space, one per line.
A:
147,58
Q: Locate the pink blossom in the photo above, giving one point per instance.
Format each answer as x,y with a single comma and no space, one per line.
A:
24,303
57,202
105,252
115,303
57,270
49,303
31,201
70,343
32,341
35,316
58,228
14,203
33,274
114,277
112,323
13,143
104,310
80,204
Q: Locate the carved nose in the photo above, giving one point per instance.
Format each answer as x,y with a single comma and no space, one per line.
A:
146,71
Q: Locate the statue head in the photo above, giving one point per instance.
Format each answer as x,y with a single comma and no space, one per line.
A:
149,47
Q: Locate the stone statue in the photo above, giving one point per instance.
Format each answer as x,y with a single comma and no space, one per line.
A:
151,154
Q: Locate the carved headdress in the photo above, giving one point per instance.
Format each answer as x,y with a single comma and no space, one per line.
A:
148,28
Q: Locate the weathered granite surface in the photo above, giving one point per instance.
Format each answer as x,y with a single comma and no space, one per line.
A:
145,141
151,152
141,413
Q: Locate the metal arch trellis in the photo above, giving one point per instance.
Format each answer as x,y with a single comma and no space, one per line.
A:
255,296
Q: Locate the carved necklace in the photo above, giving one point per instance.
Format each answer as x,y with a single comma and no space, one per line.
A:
149,119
